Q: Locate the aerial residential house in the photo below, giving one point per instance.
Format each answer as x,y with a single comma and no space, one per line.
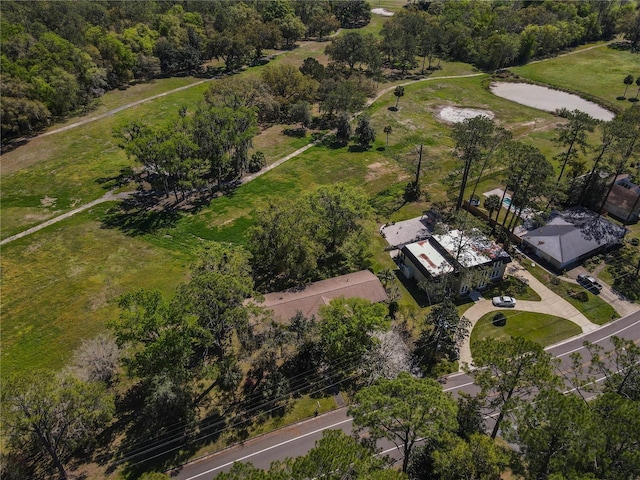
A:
471,262
624,200
308,300
572,236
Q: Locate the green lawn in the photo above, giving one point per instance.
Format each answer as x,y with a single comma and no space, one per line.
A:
595,309
59,286
540,328
598,72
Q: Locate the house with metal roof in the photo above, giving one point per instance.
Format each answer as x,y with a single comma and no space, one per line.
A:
572,236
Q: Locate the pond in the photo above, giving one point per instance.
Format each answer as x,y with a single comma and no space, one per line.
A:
547,99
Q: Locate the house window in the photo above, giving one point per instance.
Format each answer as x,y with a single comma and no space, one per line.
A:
496,270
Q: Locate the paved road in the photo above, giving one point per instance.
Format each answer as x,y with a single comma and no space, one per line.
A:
300,438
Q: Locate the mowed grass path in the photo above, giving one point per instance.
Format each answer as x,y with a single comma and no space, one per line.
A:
540,328
60,284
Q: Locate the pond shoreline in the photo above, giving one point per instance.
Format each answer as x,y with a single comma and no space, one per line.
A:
514,78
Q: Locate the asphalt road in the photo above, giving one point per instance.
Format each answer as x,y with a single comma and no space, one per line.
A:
298,439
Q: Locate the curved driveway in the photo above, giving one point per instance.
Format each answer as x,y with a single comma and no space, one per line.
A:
551,304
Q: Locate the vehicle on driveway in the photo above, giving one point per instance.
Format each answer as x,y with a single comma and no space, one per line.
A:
504,301
588,282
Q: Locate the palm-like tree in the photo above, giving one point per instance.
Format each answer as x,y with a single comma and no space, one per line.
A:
388,130
638,84
628,80
492,204
399,92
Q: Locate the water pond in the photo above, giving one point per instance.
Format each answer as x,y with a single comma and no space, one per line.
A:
547,99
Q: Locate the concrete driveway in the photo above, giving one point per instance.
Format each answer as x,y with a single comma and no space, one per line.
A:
618,301
550,304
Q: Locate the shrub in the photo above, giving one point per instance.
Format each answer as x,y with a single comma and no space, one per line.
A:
257,162
499,320
581,296
515,286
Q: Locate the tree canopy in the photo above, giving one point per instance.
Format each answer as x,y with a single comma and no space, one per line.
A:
404,410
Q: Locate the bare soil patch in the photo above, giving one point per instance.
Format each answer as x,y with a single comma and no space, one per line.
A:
457,114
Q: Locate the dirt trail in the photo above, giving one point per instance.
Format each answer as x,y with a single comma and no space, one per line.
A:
107,197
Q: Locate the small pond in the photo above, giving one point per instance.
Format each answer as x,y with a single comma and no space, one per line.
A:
547,99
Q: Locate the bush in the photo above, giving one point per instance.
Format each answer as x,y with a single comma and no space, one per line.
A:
514,286
499,320
581,296
257,162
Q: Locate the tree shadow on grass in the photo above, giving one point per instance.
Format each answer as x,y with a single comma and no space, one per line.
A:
330,141
125,176
358,148
134,218
295,132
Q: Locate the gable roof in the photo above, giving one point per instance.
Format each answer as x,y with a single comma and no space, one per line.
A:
308,300
572,234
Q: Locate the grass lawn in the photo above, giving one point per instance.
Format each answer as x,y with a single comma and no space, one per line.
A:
597,71
59,286
540,328
595,309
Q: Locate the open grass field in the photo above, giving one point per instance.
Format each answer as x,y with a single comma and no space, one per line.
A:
540,328
598,72
59,285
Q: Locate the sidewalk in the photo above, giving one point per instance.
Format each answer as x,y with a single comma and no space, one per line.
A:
550,304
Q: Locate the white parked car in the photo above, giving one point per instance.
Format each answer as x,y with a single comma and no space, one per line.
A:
504,301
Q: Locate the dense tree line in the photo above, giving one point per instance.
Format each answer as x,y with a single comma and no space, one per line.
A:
496,34
58,56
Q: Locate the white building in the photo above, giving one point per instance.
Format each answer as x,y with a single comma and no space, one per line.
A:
471,262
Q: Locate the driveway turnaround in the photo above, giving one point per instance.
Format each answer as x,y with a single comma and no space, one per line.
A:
551,304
